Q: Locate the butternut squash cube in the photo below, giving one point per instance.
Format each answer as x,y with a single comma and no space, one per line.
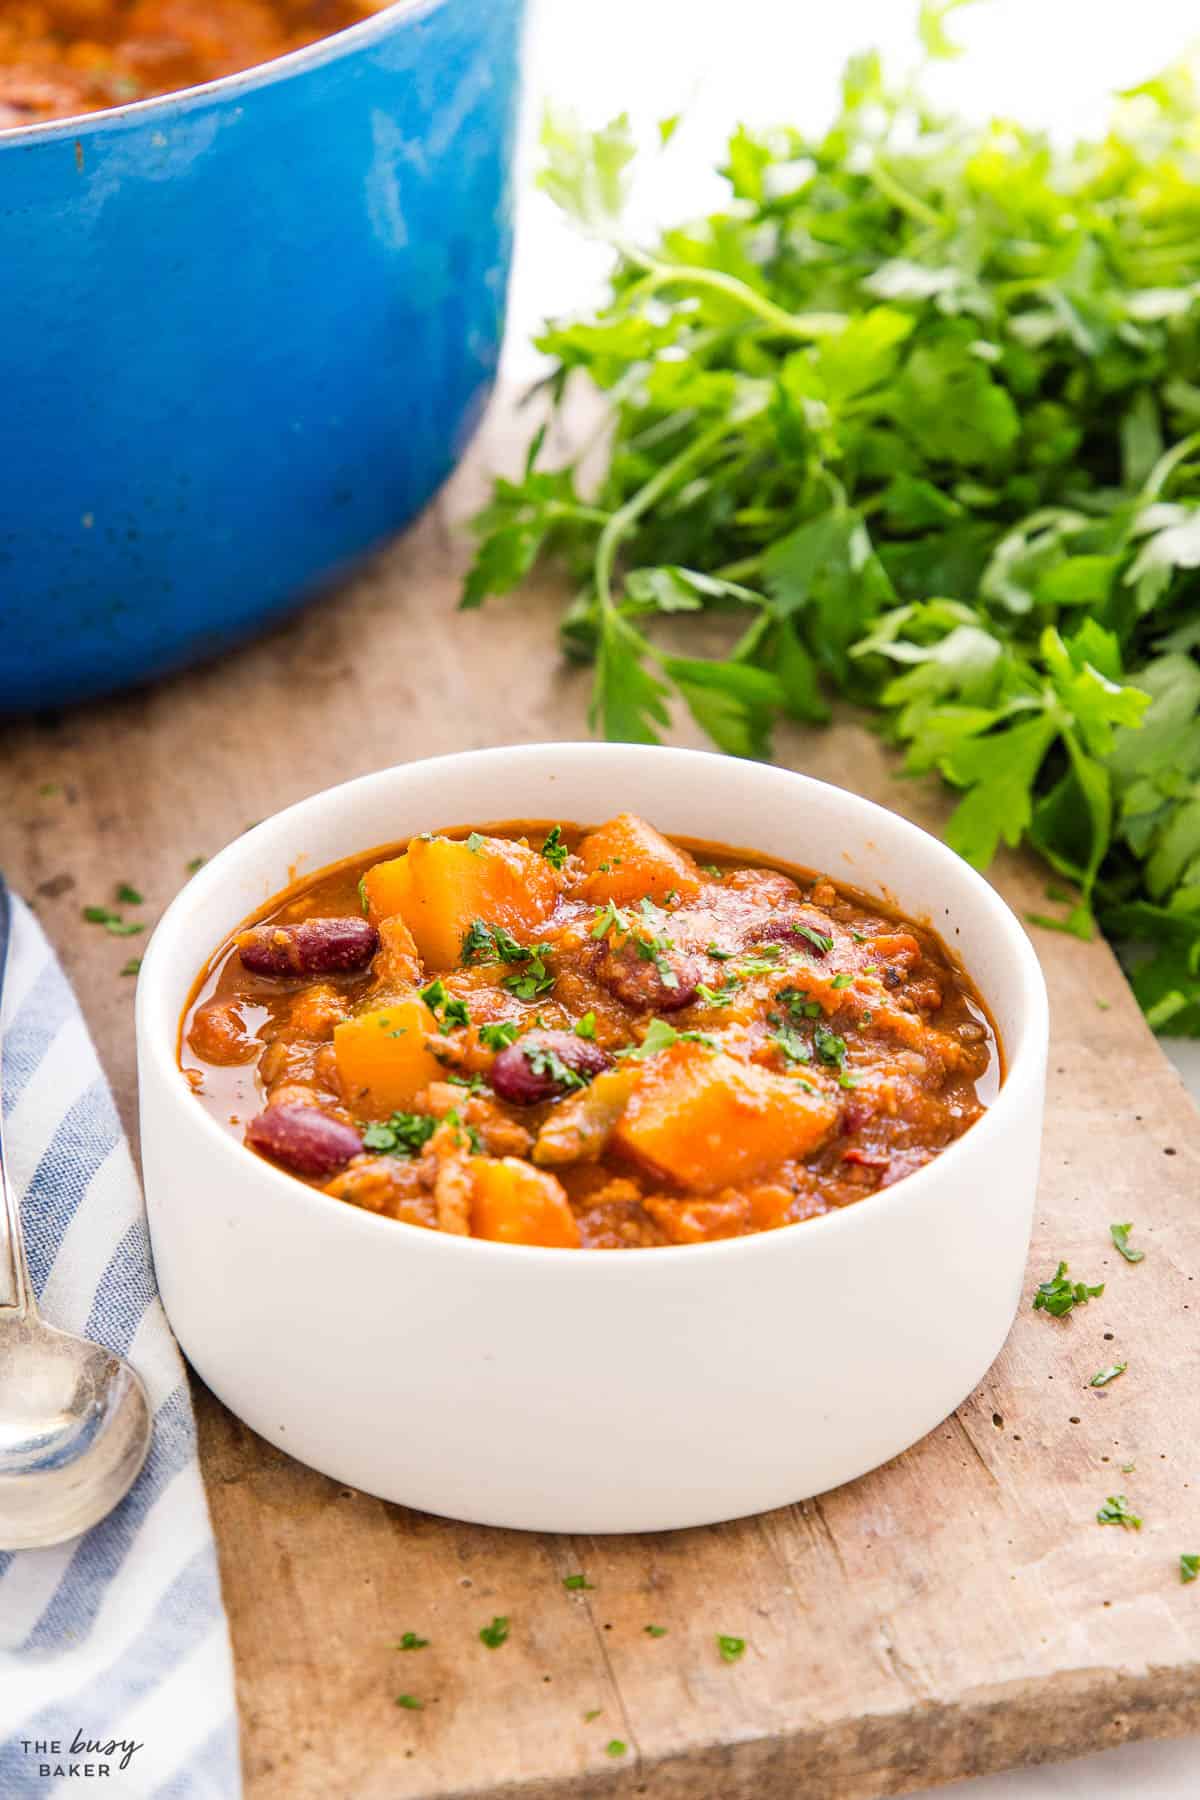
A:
441,885
516,1204
382,1060
703,1120
627,859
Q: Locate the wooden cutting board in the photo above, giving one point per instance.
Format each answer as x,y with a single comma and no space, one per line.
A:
957,1612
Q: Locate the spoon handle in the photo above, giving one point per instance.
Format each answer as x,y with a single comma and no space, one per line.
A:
16,1289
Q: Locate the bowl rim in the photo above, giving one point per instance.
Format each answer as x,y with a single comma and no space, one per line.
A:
1024,1074
330,48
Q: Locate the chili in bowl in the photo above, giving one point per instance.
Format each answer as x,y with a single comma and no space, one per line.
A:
398,1112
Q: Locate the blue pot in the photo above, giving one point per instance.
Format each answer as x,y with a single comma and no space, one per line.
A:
245,332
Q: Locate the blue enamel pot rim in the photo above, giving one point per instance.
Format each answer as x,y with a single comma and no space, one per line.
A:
241,81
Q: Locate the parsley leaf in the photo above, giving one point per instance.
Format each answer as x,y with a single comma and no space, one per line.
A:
409,1702
498,1037
554,850
496,1633
585,1027
1116,1511
1059,1296
403,1134
655,1631
410,1641
661,1036
1189,1566
1120,1237
1102,1377
575,1584
730,1649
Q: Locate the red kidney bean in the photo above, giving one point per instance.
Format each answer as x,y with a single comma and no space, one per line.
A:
658,984
524,1073
314,947
303,1138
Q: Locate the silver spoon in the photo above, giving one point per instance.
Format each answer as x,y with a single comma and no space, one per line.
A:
74,1418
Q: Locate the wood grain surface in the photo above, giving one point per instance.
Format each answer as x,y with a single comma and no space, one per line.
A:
959,1611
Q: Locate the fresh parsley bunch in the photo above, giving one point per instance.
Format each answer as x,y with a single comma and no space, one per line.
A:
920,411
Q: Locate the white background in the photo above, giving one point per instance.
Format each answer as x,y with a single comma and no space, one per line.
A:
1045,62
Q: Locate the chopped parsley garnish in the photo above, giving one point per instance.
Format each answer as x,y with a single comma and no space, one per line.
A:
1058,1295
722,996
793,1046
655,1630
498,1037
717,875
1189,1567
409,1702
404,1134
496,1633
1115,1511
537,978
860,937
364,899
554,850
1120,1237
660,1036
129,896
798,1003
609,918
731,1649
576,1584
474,1084
593,1712
455,1013
410,1641
1102,1377
760,962
820,943
586,1027
841,981
829,1046
847,1081
112,922
133,966
435,994
615,1747
543,1060
719,955
476,842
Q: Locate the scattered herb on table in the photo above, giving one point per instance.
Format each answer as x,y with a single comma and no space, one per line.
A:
1120,1237
730,1649
1059,1296
410,1641
916,412
655,1631
129,896
133,966
1116,1511
615,1747
197,862
1189,1567
575,1584
1102,1377
112,922
496,1633
410,1702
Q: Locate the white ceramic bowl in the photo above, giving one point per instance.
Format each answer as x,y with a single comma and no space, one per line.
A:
581,1391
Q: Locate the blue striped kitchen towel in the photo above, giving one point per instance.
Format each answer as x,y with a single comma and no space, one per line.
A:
118,1639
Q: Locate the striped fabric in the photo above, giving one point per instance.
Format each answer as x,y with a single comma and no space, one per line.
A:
120,1635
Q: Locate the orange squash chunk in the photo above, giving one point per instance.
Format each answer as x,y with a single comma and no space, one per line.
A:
627,859
440,886
703,1120
515,1203
382,1060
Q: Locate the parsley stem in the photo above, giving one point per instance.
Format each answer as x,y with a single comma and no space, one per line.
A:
622,521
1167,464
805,326
892,190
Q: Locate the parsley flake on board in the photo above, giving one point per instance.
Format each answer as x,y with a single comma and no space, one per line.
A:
112,922
655,1631
129,896
576,1584
730,1649
965,353
496,1633
1102,1377
196,862
1189,1566
1120,1237
1115,1511
1058,1295
615,1747
410,1703
133,966
410,1641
